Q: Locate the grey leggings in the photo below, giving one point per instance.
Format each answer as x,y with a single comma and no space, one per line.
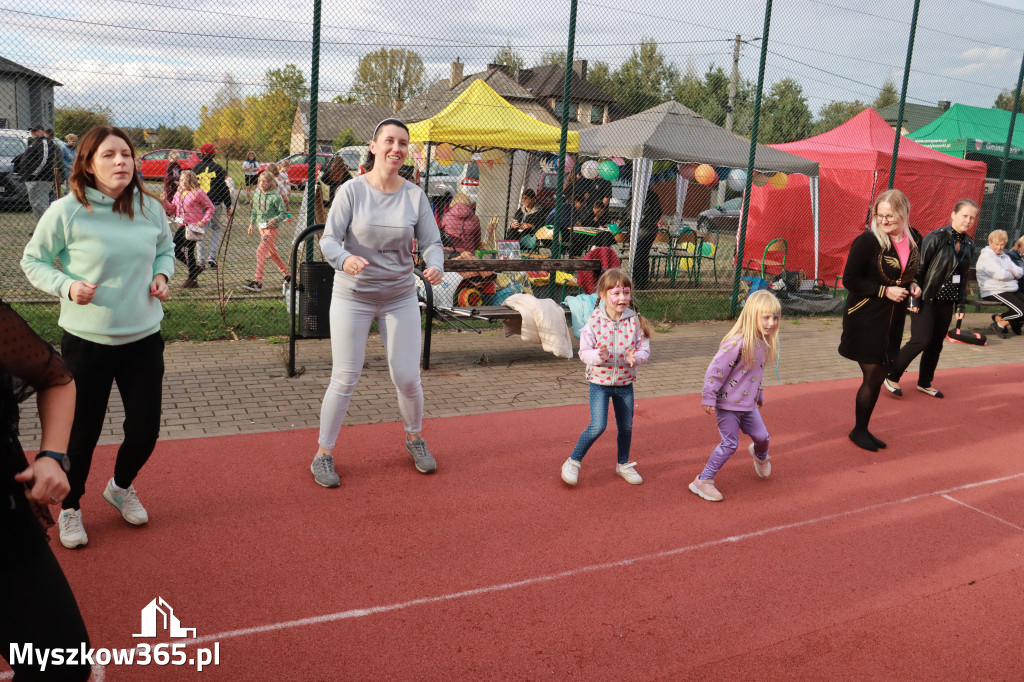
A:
399,324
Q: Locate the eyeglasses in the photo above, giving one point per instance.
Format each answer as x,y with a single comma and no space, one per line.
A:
886,218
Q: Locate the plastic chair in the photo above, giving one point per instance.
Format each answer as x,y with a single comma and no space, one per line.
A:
774,257
690,262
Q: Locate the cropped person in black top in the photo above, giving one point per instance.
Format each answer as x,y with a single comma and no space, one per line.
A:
36,603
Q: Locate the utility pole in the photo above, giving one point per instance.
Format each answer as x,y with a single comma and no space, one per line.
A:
733,83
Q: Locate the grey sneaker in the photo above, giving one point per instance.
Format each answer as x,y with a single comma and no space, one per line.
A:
323,471
72,532
421,456
127,503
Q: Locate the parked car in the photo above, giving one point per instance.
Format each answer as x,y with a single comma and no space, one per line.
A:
452,179
298,167
723,219
13,195
154,164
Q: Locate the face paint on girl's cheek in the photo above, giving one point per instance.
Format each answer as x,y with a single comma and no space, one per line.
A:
618,296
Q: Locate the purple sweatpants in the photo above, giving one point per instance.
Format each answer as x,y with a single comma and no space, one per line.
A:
729,426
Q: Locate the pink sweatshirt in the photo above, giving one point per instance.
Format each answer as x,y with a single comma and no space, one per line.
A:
729,384
195,208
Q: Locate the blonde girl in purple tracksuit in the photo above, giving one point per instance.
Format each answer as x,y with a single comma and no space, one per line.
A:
612,343
732,389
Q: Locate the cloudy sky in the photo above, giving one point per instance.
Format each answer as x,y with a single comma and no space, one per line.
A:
160,61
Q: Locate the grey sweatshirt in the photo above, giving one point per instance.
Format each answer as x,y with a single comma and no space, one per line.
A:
380,227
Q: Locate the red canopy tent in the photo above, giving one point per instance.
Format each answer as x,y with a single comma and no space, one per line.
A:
854,162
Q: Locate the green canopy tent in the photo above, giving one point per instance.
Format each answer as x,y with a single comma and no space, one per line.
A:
964,130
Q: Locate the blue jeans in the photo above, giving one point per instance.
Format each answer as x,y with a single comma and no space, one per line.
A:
622,401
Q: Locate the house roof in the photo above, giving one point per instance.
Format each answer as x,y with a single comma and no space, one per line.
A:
333,117
549,81
7,66
439,95
914,115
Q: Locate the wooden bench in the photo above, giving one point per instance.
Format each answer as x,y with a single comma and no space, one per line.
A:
976,299
489,313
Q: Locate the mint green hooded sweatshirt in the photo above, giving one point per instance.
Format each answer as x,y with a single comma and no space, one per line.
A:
119,255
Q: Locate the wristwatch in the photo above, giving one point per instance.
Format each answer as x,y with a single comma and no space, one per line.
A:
65,462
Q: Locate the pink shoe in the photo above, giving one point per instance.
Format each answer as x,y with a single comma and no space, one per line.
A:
706,489
762,467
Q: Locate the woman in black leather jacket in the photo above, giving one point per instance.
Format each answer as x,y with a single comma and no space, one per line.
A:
946,256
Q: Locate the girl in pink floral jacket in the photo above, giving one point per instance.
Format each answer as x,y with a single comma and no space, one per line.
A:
612,343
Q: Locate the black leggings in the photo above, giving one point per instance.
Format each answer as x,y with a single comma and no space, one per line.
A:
928,329
185,251
138,370
867,394
36,602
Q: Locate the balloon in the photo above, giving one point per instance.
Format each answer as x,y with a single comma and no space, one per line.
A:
618,161
779,181
445,162
705,175
737,179
608,170
760,179
460,155
443,151
722,172
493,155
686,170
590,170
570,163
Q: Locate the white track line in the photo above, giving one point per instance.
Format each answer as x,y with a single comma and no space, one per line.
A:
358,613
984,513
98,674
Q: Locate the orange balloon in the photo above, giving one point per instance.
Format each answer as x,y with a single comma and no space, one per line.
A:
779,181
443,151
705,175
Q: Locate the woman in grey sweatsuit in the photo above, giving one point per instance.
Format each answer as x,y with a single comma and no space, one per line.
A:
369,237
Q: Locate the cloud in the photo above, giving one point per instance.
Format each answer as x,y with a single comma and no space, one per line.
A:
981,59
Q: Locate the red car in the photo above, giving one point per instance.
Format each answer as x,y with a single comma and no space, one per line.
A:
298,167
154,164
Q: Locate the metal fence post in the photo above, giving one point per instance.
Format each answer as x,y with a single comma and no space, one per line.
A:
314,96
903,96
734,299
566,92
1006,151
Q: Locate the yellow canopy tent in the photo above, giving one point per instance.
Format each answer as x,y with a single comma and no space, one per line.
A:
481,119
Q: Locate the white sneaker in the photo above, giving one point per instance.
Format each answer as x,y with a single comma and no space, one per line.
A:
72,532
571,471
762,467
628,472
127,503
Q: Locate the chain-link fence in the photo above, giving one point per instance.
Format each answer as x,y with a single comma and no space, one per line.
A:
653,111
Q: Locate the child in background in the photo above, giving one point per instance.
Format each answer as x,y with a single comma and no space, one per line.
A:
614,341
267,214
284,184
190,206
732,388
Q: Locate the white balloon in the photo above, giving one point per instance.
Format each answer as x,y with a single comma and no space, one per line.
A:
590,170
737,179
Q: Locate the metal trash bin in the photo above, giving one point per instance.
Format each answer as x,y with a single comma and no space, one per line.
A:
316,281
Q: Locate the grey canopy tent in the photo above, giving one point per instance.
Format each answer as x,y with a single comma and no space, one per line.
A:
671,132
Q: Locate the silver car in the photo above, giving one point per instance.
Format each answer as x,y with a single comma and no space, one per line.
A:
722,219
13,195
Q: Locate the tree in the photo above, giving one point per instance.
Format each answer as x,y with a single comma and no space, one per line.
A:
79,121
644,80
1005,101
887,96
834,114
600,74
387,72
179,137
347,138
289,80
555,57
784,115
508,56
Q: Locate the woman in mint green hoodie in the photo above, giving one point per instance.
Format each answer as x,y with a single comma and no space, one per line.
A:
114,244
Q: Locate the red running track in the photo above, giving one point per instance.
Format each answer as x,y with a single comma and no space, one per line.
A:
902,564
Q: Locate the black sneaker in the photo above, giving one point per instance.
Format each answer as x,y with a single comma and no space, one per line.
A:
254,286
